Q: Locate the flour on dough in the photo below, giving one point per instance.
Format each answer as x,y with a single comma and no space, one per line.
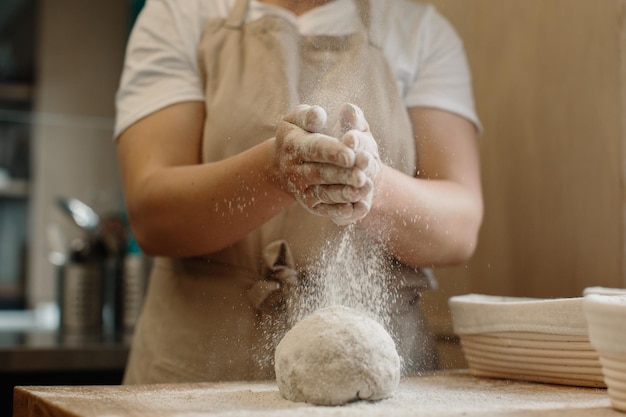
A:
334,356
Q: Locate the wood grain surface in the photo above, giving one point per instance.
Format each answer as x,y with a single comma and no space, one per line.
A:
449,394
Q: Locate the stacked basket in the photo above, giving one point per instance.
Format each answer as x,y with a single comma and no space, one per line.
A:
570,341
606,316
541,340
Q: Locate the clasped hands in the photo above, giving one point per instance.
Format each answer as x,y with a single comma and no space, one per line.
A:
329,171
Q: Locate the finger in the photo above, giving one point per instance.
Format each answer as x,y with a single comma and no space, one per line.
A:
312,197
342,214
353,117
350,117
345,217
333,194
342,210
310,118
315,196
363,160
360,141
360,209
367,163
336,194
329,174
313,147
327,150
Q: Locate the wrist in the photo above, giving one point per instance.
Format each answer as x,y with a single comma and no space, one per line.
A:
374,222
270,172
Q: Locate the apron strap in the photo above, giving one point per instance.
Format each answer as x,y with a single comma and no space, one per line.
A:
364,8
238,14
364,11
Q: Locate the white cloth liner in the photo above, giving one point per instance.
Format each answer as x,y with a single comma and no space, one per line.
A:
606,315
478,313
604,291
481,313
605,310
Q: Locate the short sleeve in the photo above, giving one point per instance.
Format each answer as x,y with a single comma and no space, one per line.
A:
160,66
441,76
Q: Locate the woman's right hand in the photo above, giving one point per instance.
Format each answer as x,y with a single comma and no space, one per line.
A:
316,169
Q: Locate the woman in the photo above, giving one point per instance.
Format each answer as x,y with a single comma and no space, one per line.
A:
252,132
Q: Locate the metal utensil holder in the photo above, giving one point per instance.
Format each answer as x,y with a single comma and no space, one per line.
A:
80,295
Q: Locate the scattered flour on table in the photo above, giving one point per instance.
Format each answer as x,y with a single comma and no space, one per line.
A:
334,356
450,395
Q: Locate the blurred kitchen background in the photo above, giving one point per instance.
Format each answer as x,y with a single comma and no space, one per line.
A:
550,88
60,63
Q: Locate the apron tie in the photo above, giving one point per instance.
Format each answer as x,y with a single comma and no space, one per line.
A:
280,278
411,284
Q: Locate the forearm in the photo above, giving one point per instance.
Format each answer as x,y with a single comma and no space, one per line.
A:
180,207
192,210
424,222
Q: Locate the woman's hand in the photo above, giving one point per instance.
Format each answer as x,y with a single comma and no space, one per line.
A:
318,170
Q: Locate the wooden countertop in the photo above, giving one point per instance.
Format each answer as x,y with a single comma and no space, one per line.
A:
440,394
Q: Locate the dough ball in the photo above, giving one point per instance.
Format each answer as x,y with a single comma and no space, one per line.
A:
334,356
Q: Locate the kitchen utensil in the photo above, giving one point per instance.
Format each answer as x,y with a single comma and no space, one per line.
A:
81,297
82,215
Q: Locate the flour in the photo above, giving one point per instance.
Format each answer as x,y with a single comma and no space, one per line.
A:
339,349
450,394
334,356
349,271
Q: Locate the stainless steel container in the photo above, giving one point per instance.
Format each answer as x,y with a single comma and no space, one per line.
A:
133,289
81,297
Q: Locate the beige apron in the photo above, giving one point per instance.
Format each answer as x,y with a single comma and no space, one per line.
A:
218,317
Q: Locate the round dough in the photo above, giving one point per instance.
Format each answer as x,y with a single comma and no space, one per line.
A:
334,356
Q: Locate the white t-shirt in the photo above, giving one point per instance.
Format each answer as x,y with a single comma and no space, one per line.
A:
423,50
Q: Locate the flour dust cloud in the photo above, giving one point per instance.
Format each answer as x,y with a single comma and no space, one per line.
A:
350,271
